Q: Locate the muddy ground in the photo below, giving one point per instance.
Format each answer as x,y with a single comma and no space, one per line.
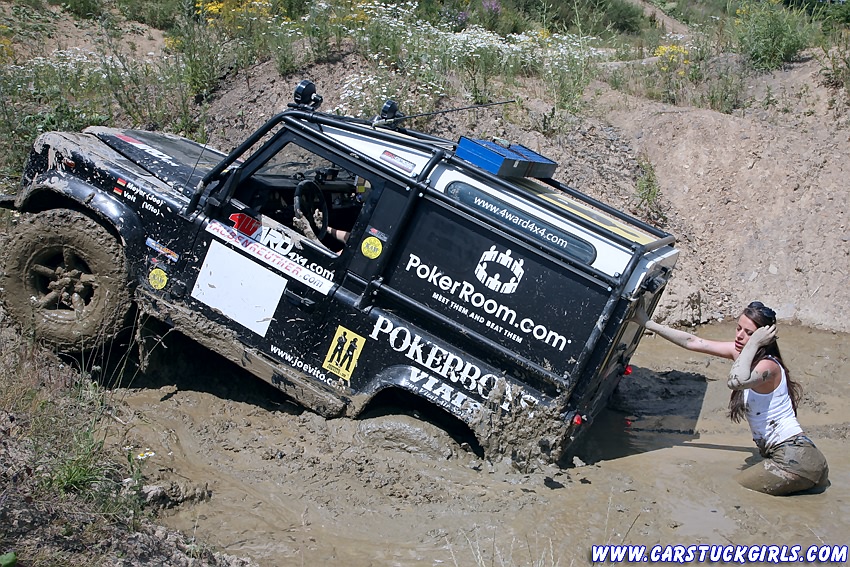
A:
248,473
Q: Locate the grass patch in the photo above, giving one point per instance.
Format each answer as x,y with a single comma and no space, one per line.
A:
770,34
66,91
648,192
61,487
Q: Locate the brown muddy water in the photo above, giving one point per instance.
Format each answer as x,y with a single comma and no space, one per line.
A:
246,472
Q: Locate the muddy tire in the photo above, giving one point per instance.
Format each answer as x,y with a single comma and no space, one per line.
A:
65,277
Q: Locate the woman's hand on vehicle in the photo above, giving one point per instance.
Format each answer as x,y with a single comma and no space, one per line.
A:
640,317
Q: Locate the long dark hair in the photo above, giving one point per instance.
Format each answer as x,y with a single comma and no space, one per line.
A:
761,315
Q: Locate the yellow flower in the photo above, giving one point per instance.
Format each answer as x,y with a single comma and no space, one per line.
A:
173,43
6,51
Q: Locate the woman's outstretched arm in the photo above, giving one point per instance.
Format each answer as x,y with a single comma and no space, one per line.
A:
724,349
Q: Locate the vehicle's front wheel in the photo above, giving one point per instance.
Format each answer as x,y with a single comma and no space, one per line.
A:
66,277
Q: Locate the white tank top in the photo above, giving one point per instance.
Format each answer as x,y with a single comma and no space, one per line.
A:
771,416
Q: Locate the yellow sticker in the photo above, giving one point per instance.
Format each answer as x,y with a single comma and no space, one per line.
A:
158,278
343,353
371,247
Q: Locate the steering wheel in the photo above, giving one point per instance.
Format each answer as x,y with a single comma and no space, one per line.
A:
309,200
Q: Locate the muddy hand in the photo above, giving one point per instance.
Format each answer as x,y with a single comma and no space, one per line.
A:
763,336
743,375
300,223
640,317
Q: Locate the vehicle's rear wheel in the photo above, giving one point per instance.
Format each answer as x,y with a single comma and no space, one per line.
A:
66,277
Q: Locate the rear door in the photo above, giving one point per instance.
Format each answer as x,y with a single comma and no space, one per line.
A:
497,286
492,294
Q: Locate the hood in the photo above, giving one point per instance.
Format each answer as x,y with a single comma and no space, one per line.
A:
178,161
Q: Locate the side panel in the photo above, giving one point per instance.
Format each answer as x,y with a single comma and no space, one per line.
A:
366,352
497,287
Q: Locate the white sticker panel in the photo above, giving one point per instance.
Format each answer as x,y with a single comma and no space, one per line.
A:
272,258
239,288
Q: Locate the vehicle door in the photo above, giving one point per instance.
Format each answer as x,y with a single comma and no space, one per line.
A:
271,256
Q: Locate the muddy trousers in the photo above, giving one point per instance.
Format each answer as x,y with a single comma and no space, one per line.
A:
792,466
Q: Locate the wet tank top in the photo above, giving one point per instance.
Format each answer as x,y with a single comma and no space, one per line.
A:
771,416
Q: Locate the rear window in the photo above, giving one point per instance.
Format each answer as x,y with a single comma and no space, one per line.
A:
497,209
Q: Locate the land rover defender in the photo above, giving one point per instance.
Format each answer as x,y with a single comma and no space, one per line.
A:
338,258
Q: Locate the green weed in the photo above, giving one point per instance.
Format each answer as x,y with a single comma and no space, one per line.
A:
724,92
81,465
85,9
286,56
201,52
835,64
647,190
769,34
159,14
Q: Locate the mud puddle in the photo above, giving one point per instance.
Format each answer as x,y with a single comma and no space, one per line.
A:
245,471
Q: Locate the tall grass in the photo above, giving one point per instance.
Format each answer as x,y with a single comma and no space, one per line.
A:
835,64
58,414
159,14
770,34
66,91
648,191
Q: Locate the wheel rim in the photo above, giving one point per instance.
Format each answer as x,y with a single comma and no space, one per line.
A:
62,281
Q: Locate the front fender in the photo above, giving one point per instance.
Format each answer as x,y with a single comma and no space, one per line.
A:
55,189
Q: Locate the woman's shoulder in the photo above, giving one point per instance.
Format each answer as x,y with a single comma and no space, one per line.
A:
770,362
772,375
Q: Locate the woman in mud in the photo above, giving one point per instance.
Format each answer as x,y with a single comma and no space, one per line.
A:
763,393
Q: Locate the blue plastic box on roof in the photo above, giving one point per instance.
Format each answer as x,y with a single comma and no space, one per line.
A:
512,161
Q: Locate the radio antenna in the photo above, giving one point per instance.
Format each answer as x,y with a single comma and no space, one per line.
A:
391,115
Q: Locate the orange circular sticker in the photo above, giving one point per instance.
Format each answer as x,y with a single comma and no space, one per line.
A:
371,247
158,278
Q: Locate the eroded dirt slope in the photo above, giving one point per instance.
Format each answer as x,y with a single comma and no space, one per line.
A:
756,199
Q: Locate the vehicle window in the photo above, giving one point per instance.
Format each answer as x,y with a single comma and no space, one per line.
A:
307,193
489,205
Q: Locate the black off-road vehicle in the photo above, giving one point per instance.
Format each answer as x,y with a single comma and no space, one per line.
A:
338,258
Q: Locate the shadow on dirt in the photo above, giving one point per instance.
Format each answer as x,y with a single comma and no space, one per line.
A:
172,359
648,411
